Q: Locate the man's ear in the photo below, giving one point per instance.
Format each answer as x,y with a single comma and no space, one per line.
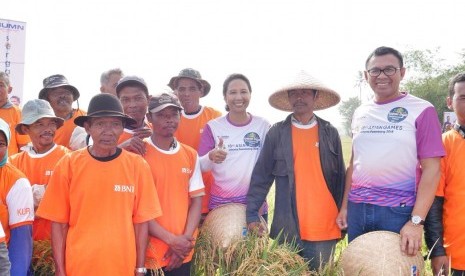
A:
25,129
449,103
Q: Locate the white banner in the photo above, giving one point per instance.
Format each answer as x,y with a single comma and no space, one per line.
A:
12,49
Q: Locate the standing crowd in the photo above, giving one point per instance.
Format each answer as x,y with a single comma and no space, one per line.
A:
121,189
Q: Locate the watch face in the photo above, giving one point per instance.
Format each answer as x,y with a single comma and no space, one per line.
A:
416,220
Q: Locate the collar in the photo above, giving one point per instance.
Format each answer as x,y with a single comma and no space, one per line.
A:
295,121
460,129
8,104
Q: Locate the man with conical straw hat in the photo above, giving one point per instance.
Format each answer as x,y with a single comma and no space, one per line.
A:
303,156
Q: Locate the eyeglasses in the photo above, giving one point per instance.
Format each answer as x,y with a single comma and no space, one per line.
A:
388,71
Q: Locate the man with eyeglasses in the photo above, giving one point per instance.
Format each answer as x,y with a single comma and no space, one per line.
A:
395,165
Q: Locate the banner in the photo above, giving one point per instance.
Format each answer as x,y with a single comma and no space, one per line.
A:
12,50
449,120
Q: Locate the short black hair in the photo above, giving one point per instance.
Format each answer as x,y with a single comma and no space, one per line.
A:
383,50
460,77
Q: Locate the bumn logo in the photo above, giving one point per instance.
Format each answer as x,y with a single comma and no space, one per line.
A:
124,188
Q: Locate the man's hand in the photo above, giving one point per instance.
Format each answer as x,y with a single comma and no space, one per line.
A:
410,238
341,219
142,132
440,265
181,245
135,145
174,262
257,228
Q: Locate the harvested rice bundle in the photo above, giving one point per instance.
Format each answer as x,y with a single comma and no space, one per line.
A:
42,258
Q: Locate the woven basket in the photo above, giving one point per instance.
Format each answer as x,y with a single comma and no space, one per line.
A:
226,223
378,253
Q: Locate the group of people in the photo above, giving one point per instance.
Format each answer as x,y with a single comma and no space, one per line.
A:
120,189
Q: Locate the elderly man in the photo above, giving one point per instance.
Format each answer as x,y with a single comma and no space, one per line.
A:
61,96
176,172
11,114
189,86
133,94
445,227
396,152
100,199
303,156
109,79
38,160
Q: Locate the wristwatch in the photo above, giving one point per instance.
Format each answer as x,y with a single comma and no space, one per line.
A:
417,220
140,270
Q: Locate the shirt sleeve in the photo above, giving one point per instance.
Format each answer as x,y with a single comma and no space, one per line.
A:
196,186
429,142
20,203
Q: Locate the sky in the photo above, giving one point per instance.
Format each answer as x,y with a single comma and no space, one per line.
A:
268,41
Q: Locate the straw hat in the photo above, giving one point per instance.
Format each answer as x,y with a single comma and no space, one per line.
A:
326,96
226,223
378,253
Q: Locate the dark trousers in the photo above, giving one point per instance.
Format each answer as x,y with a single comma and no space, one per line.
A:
183,270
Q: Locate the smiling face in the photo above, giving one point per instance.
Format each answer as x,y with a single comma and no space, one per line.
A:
385,87
237,96
41,133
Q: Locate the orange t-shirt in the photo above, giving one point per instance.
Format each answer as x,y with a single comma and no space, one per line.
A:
63,134
16,204
100,201
189,132
316,208
452,188
177,178
38,168
12,115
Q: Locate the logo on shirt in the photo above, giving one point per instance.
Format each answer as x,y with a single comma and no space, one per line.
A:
252,139
23,211
48,173
186,170
124,188
397,115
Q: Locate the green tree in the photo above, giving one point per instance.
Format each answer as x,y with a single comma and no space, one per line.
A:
347,109
428,76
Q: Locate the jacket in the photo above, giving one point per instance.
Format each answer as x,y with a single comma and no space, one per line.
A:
276,163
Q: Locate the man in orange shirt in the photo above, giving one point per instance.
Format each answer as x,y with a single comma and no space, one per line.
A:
61,96
189,86
11,114
176,172
133,94
38,160
303,156
100,199
445,226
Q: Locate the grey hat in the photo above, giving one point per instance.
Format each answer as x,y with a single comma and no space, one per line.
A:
131,81
35,110
162,101
55,81
104,105
193,75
